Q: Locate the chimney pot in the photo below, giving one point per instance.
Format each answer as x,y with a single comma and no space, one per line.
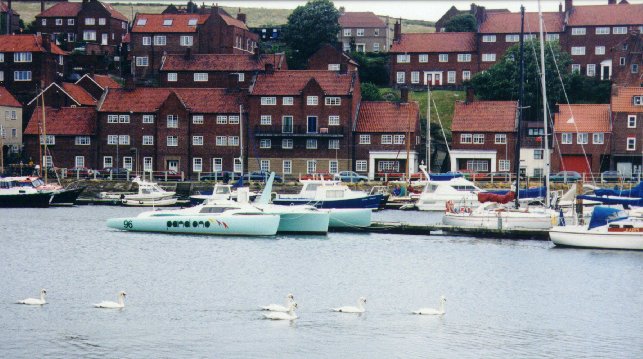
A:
241,17
611,2
397,31
568,5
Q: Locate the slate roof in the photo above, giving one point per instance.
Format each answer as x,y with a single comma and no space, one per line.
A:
484,116
383,116
436,42
583,118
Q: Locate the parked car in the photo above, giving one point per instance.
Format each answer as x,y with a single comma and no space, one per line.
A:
611,176
350,176
261,176
310,176
565,176
80,172
114,173
171,175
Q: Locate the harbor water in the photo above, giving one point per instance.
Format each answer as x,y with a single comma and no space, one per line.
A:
198,296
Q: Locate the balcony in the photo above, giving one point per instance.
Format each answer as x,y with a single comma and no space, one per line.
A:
298,131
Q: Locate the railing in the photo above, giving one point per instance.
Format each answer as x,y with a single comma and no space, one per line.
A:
299,131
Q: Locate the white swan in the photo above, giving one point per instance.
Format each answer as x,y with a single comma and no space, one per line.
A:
278,307
290,315
34,301
113,305
350,309
432,311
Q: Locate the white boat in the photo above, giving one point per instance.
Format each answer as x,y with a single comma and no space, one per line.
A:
458,190
150,194
221,191
609,228
496,216
329,194
13,195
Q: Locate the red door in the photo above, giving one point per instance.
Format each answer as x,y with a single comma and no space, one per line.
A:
577,163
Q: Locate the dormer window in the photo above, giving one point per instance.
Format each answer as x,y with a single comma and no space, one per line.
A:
167,22
192,22
637,100
141,22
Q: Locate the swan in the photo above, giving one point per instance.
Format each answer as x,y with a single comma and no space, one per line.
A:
432,311
34,301
350,309
113,305
290,315
278,307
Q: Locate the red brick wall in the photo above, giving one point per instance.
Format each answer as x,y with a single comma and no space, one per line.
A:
590,40
503,151
622,132
595,152
216,79
433,64
64,152
155,52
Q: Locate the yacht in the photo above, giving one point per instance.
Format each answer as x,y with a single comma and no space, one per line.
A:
437,193
12,195
61,196
329,194
150,194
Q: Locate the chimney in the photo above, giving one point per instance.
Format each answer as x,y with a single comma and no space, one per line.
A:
568,5
473,9
42,5
343,68
241,17
46,42
130,85
188,53
471,95
560,7
611,2
270,69
397,30
404,95
233,82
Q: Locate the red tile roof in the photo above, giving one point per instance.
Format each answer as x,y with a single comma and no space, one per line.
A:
583,118
620,14
360,19
509,23
147,99
115,13
5,8
105,81
79,94
292,82
622,99
210,100
436,42
154,22
484,116
382,116
220,62
71,9
233,22
65,121
26,43
7,99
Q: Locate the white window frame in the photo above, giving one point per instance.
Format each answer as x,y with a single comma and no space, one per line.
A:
598,138
147,164
500,139
233,119
415,77
466,138
423,58
312,100
401,77
364,139
268,101
172,121
333,144
186,40
348,32
478,138
265,143
333,120
172,77
146,40
578,51
89,35
599,50
197,164
172,141
504,165
361,166
311,166
631,144
147,140
631,121
359,32
112,118
287,143
286,166
582,138
621,30
578,31
603,30
403,58
488,57
451,76
488,38
148,119
264,165
287,101
466,75
222,120
443,58
233,140
197,140
553,37
512,38
464,57
142,61
311,144
200,77
217,164
22,57
90,21
265,120
108,161
197,119
123,140
591,70
70,22
386,139
398,139
566,138
333,101
576,68
82,141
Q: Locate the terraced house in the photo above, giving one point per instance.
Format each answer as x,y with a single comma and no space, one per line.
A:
10,123
627,140
363,32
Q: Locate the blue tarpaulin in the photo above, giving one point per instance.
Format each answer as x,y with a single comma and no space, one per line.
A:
604,215
635,192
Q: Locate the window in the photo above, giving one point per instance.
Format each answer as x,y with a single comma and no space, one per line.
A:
160,40
333,101
566,138
123,140
333,145
631,143
197,119
237,166
553,37
423,58
148,140
1,57
538,154
602,31
464,57
89,35
266,120
637,100
147,164
376,32
311,144
488,57
172,121
576,68
347,32
172,141
598,138
443,58
111,139
619,30
501,139
398,139
142,61
591,70
631,121
71,36
286,101
578,50
197,164
376,46
186,41
311,166
286,124
108,161
123,119
577,31
466,138
400,77
360,32
265,143
582,138
22,57
312,100
478,138
287,167
622,61
79,161
361,166
82,141
222,120
488,38
192,22
43,22
504,165
197,140
148,118
59,22
415,77
90,21
233,140
403,59
347,47
167,22
333,120
635,68
242,76
22,75
233,120
599,50
333,166
200,77
387,139
141,22
147,40
451,77
70,21
101,21
364,139
264,165
217,164
286,143
268,101
1,76
478,165
466,75
512,38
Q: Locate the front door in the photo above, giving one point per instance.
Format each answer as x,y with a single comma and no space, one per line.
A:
103,39
433,78
312,124
173,165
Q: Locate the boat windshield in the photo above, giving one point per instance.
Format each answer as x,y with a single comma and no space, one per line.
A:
215,209
334,194
430,188
222,190
7,184
464,188
38,182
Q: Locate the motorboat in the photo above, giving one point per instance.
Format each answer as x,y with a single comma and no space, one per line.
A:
383,190
61,196
150,194
12,195
609,228
437,193
329,194
493,215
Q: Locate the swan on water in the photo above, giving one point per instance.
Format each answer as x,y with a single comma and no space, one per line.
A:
278,307
351,309
113,305
432,311
290,315
34,301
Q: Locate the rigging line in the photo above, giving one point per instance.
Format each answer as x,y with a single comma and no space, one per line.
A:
446,143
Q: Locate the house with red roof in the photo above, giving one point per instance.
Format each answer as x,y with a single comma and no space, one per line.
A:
64,94
9,18
484,136
381,135
582,138
627,139
302,121
95,85
96,24
10,123
330,58
363,32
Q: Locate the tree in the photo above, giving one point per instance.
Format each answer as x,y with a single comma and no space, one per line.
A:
372,67
461,23
309,27
371,92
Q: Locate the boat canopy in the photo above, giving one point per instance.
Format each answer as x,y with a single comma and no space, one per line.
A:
444,176
496,197
604,215
635,192
538,192
624,201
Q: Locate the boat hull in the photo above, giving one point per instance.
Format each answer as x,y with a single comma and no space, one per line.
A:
372,201
439,204
149,202
66,197
350,218
235,225
27,200
503,221
579,236
312,222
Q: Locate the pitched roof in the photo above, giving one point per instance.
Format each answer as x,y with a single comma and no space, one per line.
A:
105,81
622,99
26,43
69,121
62,9
179,22
5,8
115,13
292,82
484,116
79,94
360,19
583,118
220,62
233,22
148,99
618,14
509,22
436,42
382,116
7,99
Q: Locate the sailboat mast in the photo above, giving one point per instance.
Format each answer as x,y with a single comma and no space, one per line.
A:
520,103
428,128
544,91
408,143
44,134
240,138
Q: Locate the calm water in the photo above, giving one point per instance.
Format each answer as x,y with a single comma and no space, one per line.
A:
193,296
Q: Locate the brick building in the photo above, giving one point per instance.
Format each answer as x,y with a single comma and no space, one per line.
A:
302,121
381,135
217,70
95,85
10,123
363,32
64,94
478,12
99,25
627,140
582,138
328,57
484,136
627,59
9,19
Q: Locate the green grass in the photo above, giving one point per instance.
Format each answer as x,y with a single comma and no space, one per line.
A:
444,101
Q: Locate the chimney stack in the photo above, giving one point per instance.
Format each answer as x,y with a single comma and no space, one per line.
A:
397,30
241,17
270,69
42,5
471,95
560,7
46,42
568,5
611,2
404,95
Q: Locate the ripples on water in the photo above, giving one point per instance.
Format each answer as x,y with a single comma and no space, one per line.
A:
194,296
